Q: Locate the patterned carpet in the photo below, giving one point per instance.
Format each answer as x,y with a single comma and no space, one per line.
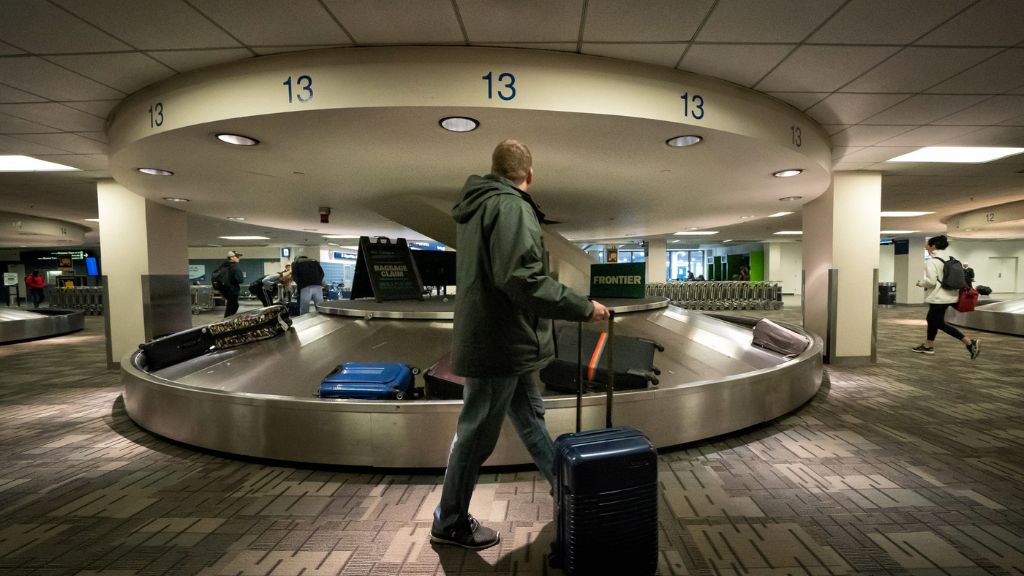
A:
914,465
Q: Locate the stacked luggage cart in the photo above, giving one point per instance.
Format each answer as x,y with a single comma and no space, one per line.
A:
715,295
202,298
88,299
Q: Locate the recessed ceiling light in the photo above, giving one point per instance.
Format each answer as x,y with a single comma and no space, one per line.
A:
237,139
459,124
898,231
337,237
237,218
91,219
693,228
898,214
156,172
789,233
172,199
778,214
673,241
724,241
698,233
683,141
29,164
788,173
790,198
960,154
745,217
243,237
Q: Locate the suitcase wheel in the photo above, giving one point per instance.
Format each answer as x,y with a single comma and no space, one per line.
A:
659,347
400,395
654,381
415,371
656,371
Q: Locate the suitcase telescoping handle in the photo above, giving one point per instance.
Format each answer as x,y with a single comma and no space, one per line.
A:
609,387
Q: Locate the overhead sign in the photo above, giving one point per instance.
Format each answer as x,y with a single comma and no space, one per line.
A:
618,280
386,271
10,278
196,271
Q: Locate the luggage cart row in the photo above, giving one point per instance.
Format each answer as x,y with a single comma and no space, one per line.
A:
720,295
202,298
88,299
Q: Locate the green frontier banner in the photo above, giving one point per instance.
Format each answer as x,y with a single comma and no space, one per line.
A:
618,280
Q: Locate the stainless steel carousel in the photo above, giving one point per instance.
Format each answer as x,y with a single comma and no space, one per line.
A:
17,324
259,400
1004,317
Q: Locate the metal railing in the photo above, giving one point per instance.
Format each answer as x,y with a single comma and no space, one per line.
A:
712,295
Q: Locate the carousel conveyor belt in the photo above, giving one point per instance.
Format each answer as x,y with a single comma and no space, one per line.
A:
259,399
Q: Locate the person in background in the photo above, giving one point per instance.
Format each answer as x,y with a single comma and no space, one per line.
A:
969,275
939,299
501,335
35,284
232,279
690,277
265,289
744,274
309,278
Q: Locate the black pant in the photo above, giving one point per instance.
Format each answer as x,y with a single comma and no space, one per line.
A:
35,296
232,303
937,321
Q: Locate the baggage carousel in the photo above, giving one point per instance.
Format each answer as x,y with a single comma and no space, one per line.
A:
17,325
1005,317
259,399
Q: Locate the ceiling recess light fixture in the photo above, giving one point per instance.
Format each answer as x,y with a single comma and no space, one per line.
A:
898,231
156,172
338,237
729,240
237,218
459,124
778,214
789,233
959,154
173,199
29,164
746,217
898,214
91,219
788,173
243,237
790,198
696,233
237,139
684,141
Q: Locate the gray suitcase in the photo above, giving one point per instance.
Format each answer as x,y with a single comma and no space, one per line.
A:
768,334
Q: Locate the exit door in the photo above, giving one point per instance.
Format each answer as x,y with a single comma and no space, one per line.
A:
1002,274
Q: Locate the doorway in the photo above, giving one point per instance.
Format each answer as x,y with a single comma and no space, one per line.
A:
1002,274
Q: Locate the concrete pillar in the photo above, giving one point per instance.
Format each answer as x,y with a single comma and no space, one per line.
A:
840,258
656,258
907,270
145,269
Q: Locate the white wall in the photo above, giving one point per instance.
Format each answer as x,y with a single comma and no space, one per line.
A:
978,252
887,263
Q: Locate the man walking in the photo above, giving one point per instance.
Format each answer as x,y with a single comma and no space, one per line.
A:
501,335
309,278
227,279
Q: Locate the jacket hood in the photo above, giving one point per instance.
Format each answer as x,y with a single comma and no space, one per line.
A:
476,190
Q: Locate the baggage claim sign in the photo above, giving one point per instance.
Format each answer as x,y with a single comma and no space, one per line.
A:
618,280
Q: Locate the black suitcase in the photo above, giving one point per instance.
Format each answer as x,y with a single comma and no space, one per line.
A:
440,383
606,496
174,348
634,370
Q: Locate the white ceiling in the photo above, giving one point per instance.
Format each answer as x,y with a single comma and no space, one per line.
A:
882,76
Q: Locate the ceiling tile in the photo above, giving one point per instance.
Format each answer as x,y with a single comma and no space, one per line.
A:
6,49
86,162
42,28
928,135
185,60
660,54
8,94
658,21
127,72
556,46
13,145
915,69
398,21
993,76
992,111
823,68
743,64
851,108
48,80
885,21
55,115
265,50
866,135
151,24
15,125
801,100
776,21
987,23
877,154
992,136
841,151
1018,121
95,136
535,20
296,22
923,109
99,108
72,143
852,166
834,128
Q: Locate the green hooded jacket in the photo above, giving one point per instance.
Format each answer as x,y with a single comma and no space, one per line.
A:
504,293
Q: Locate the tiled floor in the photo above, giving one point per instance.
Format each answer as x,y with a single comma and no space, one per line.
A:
914,465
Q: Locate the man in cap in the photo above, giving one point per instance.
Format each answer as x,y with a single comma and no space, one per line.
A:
227,279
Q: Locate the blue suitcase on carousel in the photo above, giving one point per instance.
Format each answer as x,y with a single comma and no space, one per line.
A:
369,381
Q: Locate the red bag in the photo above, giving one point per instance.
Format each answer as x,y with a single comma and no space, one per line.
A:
967,300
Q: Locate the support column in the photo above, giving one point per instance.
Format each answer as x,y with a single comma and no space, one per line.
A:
145,269
840,258
908,268
656,259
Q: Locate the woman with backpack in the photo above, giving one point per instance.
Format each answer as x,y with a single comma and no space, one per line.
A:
943,278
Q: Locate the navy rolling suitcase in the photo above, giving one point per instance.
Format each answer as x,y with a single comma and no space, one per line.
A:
606,496
369,381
